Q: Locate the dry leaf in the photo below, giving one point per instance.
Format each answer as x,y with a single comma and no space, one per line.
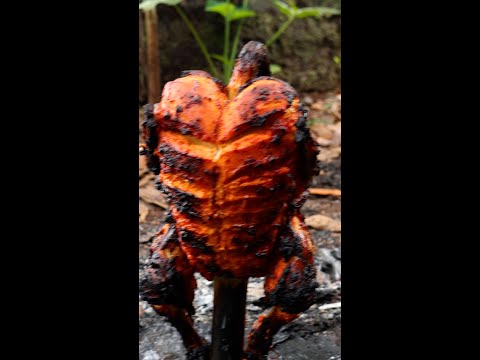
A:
142,211
337,105
321,222
335,110
336,151
320,130
329,154
147,178
142,166
323,142
317,105
336,133
151,195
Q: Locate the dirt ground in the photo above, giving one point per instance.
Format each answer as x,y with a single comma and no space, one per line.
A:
316,333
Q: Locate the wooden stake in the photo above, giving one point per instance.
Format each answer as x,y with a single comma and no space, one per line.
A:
228,324
142,58
153,56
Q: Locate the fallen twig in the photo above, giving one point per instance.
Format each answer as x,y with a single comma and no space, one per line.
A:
320,191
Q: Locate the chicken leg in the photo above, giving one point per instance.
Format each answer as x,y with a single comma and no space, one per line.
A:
290,289
169,287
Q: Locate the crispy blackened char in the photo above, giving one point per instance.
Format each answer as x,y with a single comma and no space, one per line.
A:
169,288
235,162
252,62
219,157
169,277
150,129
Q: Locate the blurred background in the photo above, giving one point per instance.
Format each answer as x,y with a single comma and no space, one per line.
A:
308,51
303,39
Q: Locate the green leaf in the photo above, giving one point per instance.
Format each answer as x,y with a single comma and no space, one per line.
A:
337,60
170,2
315,11
220,58
229,11
152,4
222,8
211,3
240,13
275,68
284,8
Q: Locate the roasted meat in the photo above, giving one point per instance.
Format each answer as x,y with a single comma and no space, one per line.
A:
235,162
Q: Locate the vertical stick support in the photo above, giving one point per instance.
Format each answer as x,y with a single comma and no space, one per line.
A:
228,318
153,56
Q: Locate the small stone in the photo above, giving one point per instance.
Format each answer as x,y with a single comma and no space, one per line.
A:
151,355
321,222
307,100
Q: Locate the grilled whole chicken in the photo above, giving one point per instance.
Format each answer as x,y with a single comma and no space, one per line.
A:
235,162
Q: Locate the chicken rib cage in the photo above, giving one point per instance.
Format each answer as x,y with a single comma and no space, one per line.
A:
235,163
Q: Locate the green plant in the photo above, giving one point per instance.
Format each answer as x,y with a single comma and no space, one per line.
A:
275,68
292,12
337,60
152,4
232,13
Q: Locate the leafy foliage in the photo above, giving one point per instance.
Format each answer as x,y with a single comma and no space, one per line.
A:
275,69
292,11
316,12
220,58
232,13
228,10
284,8
337,60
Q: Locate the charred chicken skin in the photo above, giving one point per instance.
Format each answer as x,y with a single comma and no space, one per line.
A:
235,162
